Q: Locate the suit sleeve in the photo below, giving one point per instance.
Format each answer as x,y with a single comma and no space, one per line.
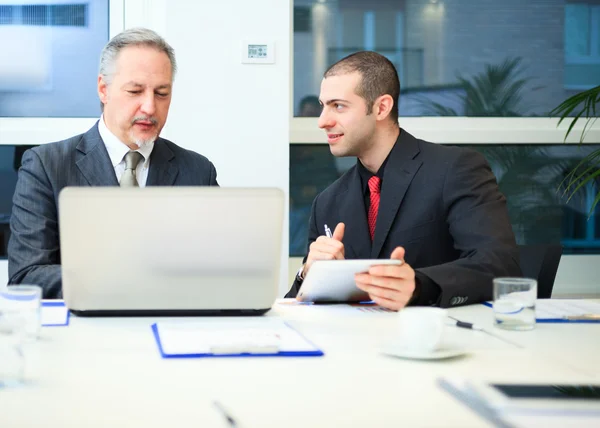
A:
33,248
313,234
478,222
212,181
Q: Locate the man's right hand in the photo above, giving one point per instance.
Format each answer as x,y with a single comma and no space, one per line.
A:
325,248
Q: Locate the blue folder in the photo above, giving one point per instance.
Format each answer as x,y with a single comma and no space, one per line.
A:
556,320
52,303
287,353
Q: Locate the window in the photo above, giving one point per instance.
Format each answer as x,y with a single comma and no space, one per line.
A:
10,161
452,54
529,175
582,45
54,49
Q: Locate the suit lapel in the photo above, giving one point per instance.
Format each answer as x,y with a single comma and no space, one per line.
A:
93,161
352,213
397,176
162,170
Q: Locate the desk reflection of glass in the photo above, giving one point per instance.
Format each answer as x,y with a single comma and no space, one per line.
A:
12,338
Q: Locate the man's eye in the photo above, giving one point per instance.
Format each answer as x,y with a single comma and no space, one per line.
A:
161,94
135,92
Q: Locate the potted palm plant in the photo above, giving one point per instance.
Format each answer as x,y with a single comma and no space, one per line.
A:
581,106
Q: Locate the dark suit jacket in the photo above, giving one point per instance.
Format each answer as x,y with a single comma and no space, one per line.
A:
33,248
440,203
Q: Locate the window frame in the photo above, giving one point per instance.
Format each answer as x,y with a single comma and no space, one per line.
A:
594,39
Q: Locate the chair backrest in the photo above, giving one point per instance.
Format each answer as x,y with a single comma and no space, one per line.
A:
541,262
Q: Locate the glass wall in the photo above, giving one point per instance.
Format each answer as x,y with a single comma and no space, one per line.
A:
529,175
455,58
50,53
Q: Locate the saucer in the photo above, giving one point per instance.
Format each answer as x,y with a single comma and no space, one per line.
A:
437,354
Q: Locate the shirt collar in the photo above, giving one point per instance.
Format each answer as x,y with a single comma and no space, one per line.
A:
116,148
365,174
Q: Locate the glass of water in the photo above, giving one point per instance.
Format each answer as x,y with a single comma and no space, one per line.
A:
26,301
514,303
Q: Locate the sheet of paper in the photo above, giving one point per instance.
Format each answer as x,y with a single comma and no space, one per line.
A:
265,335
54,313
559,308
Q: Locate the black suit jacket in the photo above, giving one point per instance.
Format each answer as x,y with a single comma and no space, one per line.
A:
33,248
440,203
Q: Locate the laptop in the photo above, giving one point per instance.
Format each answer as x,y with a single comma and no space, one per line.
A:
170,250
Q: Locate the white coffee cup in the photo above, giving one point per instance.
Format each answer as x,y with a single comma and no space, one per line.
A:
421,329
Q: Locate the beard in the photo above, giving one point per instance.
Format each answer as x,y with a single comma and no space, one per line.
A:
139,141
143,143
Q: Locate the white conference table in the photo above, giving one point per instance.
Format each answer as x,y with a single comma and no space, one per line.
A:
101,372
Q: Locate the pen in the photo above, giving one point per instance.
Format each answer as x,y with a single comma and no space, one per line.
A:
471,326
230,420
328,231
591,317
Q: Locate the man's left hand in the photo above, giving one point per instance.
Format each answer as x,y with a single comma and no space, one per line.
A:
390,286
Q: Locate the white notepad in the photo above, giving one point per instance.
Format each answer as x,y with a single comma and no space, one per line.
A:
231,337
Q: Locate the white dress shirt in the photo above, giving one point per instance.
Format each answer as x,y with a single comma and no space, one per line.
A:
117,151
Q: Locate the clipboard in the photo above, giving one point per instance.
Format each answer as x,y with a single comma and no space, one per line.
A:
264,337
565,311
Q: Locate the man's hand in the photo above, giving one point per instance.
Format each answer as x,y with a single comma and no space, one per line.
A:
325,248
390,286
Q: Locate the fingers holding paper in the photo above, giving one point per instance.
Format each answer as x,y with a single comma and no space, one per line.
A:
390,286
325,248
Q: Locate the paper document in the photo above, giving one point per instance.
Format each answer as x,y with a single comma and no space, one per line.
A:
54,313
265,336
564,308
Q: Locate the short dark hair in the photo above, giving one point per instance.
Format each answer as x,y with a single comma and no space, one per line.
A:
378,77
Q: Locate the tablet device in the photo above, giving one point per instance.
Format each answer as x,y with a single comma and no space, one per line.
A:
538,396
333,280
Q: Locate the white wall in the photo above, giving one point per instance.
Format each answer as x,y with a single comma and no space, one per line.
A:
235,114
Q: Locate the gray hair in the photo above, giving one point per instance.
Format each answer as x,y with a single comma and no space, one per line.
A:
132,37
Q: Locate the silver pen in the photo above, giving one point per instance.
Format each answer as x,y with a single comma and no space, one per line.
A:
583,317
230,419
328,232
471,326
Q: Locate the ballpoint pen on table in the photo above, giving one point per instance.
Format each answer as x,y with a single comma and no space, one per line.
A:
230,420
328,231
471,326
583,317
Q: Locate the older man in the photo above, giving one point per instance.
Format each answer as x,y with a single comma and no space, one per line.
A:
135,83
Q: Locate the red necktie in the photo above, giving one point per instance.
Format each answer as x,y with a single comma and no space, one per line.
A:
375,188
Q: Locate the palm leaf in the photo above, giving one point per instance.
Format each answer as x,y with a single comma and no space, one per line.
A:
582,105
589,99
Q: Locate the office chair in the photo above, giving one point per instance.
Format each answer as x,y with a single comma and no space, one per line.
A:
541,262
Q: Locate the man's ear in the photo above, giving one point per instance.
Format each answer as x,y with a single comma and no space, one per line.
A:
383,106
102,90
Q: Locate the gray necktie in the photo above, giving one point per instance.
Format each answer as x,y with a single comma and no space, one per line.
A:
131,161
